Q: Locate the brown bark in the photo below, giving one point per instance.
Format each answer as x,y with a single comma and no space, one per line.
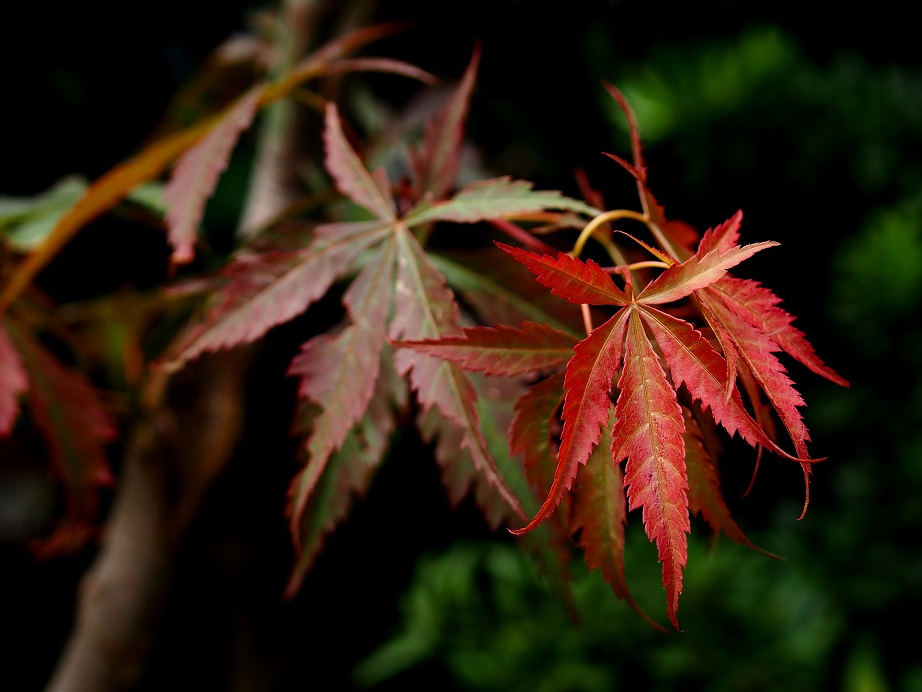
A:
180,443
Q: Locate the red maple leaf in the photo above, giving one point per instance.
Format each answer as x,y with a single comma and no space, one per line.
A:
653,355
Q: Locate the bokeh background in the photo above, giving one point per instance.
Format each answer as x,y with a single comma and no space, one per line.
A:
809,120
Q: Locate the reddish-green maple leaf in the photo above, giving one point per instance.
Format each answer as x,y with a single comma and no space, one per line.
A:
76,426
264,289
327,366
426,309
13,382
494,199
348,472
349,174
501,350
267,289
434,164
196,173
648,433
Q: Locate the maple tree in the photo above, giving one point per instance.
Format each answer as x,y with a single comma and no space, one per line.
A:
638,348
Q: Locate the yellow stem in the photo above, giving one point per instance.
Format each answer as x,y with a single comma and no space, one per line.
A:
587,318
648,263
605,217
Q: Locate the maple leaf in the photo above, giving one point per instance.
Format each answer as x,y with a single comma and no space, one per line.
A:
501,350
196,173
266,289
495,198
75,424
435,162
327,366
530,430
648,433
654,355
346,473
427,310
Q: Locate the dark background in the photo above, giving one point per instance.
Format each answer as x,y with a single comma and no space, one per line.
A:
821,151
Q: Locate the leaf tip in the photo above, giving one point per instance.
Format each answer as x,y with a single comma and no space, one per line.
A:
806,470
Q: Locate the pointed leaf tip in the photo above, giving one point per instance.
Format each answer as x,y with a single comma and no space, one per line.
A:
636,144
349,173
195,174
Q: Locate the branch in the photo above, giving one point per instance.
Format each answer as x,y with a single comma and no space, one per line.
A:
166,473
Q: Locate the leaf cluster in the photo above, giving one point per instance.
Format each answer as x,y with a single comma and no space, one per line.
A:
672,346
